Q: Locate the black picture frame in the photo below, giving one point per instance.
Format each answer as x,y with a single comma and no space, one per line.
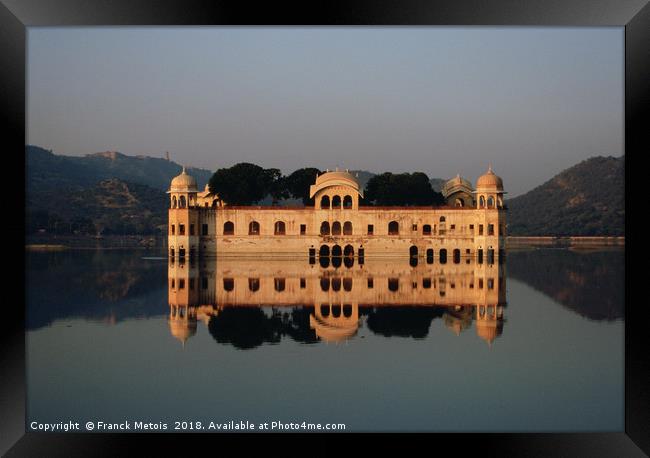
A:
16,15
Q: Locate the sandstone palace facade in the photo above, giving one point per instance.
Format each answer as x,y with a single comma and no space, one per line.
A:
472,224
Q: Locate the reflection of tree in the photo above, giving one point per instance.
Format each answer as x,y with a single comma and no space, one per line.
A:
589,283
245,327
402,321
250,327
296,325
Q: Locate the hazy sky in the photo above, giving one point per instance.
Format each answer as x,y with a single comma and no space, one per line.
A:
442,100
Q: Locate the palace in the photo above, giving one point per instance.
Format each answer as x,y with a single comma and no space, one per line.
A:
472,224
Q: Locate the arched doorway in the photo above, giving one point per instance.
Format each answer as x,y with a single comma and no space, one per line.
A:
413,256
324,251
348,251
336,251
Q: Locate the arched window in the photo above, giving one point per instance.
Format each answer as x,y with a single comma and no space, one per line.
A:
347,228
456,256
336,228
254,228
182,202
336,311
347,308
347,202
481,202
279,284
490,202
253,284
336,202
325,310
279,228
228,228
325,202
228,284
442,229
430,256
325,228
393,284
393,228
174,202
347,284
336,284
426,229
443,256
459,202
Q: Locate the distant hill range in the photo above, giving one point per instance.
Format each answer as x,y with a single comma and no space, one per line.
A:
587,199
113,193
100,193
45,168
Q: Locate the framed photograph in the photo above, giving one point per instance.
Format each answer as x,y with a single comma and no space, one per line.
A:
405,219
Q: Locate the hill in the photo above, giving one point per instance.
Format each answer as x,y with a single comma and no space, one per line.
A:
100,193
110,206
45,169
587,199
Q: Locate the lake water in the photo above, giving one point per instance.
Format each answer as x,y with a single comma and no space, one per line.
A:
533,344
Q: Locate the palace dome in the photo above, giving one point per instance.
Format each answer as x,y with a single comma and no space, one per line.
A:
336,178
183,182
489,180
457,183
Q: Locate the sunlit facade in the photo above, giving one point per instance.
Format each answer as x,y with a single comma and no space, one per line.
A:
472,224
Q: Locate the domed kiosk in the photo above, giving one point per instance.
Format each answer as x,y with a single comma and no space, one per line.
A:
489,190
458,192
336,190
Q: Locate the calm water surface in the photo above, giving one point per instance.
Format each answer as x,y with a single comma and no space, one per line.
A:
535,344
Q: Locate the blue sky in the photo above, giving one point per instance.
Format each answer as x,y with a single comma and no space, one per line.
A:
442,100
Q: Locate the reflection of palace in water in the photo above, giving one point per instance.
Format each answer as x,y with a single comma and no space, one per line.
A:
238,297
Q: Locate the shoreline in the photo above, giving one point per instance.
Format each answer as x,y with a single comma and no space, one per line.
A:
140,242
569,242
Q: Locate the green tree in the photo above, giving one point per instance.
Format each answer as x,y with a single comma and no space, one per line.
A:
274,182
241,184
401,189
297,184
